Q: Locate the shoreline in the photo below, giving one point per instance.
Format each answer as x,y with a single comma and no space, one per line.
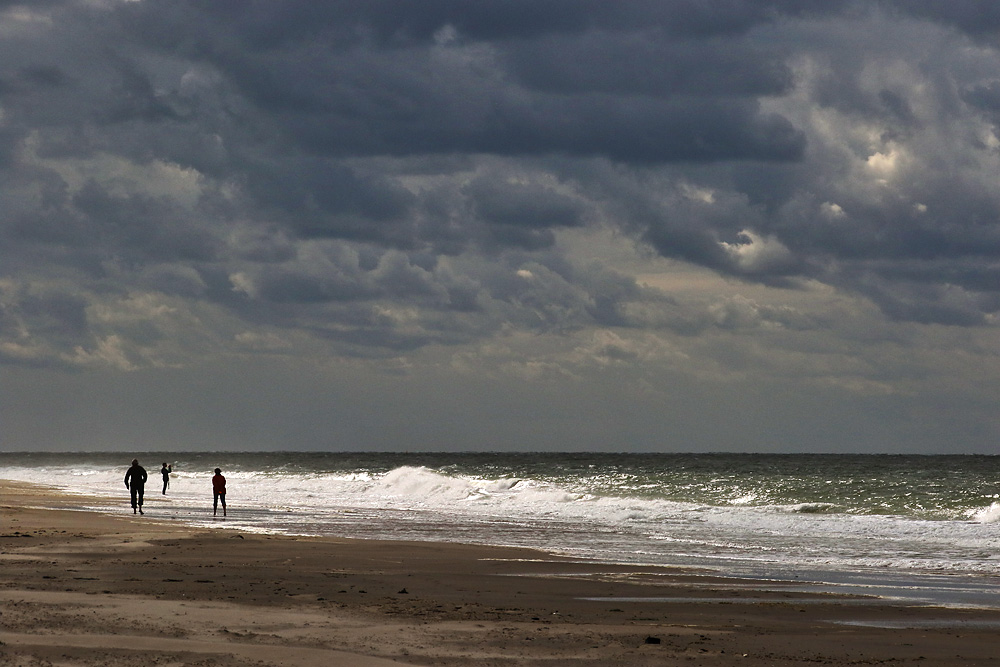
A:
91,589
958,589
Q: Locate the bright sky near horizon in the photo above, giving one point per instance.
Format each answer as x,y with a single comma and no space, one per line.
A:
640,225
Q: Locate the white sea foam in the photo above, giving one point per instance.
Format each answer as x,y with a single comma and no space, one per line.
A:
812,508
989,514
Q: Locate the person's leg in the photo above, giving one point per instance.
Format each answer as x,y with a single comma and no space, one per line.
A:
215,504
132,492
222,497
140,491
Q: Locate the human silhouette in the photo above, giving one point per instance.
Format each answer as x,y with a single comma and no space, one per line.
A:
165,471
135,482
218,492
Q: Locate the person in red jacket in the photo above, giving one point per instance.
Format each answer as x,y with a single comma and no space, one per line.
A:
219,492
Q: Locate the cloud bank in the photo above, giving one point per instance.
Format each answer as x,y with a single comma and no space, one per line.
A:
788,209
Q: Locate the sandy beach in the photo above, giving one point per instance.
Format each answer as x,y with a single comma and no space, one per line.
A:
79,588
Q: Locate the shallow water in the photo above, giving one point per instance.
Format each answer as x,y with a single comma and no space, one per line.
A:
925,527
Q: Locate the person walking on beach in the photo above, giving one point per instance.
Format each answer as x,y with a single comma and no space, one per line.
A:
135,482
219,492
165,471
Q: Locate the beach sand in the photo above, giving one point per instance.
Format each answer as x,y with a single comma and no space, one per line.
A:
80,588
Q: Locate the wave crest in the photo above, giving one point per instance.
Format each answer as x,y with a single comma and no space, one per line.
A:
813,508
422,483
989,514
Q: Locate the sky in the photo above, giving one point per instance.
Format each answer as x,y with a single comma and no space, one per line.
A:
461,225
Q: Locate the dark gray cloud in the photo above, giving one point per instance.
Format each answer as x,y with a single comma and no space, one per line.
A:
285,101
436,81
651,63
980,18
262,25
185,179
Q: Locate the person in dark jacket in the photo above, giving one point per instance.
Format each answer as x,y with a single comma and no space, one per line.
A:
135,482
165,471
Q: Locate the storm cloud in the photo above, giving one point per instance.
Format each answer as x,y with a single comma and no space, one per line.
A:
657,200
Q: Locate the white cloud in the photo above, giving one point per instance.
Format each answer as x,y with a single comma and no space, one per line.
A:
257,340
832,211
884,165
110,351
243,283
758,254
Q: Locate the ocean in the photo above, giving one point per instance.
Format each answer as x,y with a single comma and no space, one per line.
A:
921,528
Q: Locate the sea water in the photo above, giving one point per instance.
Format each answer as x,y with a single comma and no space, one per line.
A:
917,527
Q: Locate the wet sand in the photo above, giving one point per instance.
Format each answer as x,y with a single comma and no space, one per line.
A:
80,588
